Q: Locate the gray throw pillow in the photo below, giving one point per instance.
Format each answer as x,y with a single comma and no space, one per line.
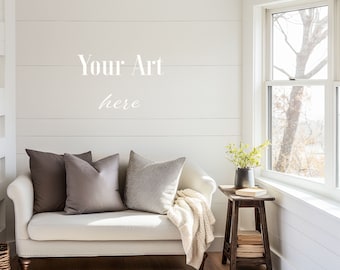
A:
152,186
92,187
49,179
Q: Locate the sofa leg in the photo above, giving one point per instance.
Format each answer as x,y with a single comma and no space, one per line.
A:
24,263
205,256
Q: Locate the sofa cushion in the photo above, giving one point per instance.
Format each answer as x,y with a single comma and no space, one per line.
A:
151,186
49,179
92,187
106,226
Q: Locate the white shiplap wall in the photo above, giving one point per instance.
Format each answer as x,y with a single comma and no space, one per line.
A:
2,127
7,110
303,234
193,110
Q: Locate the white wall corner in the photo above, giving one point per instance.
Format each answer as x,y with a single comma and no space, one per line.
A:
9,93
253,43
10,106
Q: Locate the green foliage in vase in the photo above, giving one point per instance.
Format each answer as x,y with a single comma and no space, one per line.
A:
243,157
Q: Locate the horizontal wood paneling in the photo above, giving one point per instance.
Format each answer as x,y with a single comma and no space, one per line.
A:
2,36
206,151
2,101
2,13
2,147
127,127
177,43
186,92
2,47
113,10
2,30
2,125
302,236
2,74
151,145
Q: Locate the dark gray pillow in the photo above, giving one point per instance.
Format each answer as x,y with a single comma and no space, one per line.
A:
49,179
92,187
152,186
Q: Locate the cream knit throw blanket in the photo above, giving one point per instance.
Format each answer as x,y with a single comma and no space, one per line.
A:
194,219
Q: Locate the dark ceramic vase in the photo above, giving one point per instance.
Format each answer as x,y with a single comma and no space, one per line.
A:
244,177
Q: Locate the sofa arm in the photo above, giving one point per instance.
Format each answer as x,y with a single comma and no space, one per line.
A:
195,178
20,191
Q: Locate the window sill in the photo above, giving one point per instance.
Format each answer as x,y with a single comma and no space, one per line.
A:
287,196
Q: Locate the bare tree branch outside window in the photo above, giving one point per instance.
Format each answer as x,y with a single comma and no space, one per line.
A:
299,52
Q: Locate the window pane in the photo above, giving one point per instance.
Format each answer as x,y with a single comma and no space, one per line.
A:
300,44
297,130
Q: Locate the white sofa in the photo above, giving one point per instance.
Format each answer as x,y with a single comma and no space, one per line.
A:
124,233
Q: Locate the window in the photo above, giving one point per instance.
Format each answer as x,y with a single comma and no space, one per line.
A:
297,130
291,84
302,99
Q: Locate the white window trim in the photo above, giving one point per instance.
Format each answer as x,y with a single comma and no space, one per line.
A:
254,102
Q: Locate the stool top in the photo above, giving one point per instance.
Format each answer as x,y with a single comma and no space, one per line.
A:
229,191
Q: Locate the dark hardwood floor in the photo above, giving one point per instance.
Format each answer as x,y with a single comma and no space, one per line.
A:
126,263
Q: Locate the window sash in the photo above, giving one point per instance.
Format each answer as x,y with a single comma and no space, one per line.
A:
331,183
268,51
269,122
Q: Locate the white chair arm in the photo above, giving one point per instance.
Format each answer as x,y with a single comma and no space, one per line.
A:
20,191
195,178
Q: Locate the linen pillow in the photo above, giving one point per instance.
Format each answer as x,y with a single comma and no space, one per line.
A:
92,187
49,179
152,186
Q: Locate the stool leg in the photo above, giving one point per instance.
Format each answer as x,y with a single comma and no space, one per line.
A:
257,219
226,245
263,222
233,241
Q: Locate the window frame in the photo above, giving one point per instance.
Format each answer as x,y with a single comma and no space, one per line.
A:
330,187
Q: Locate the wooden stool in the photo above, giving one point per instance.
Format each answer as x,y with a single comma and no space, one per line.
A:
257,256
